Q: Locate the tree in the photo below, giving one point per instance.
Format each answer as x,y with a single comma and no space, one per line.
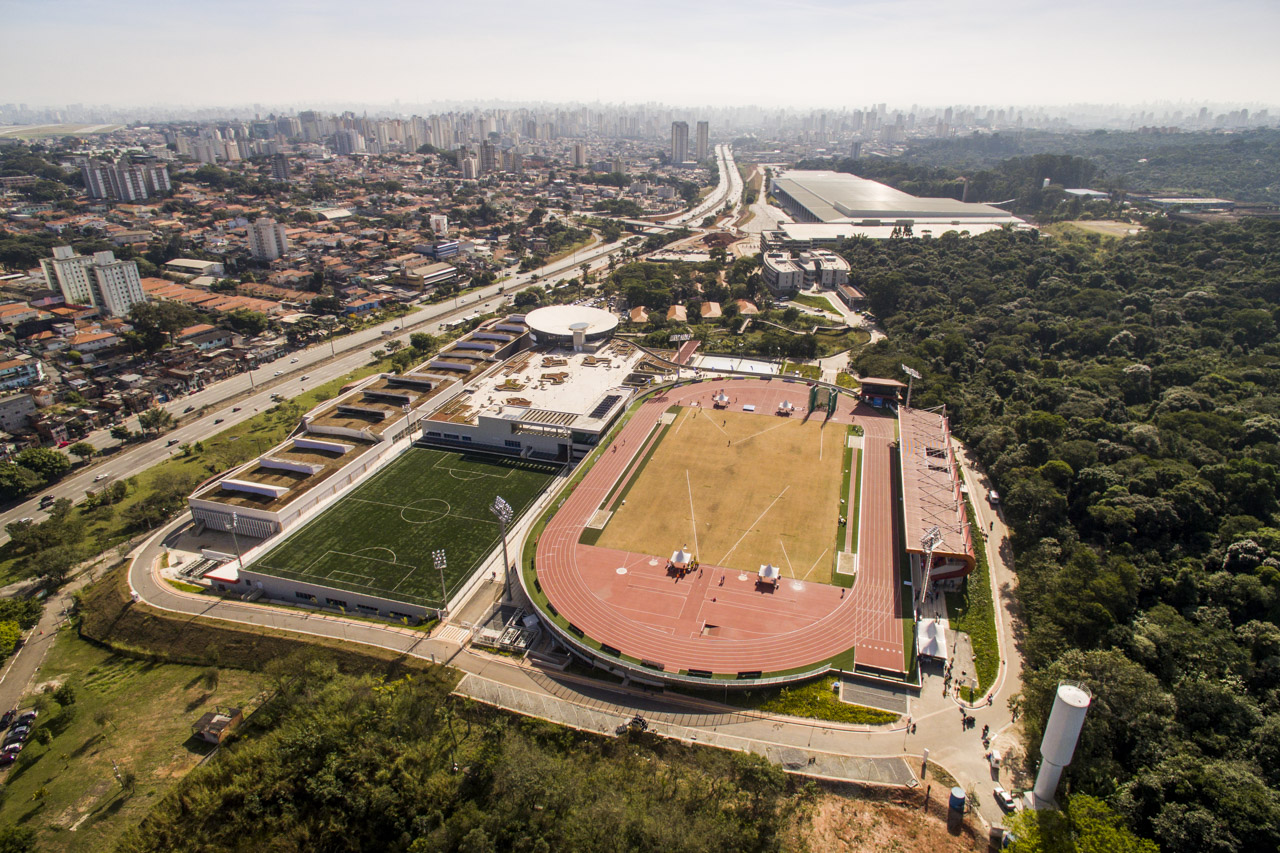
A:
82,449
46,463
422,342
17,839
156,419
10,634
121,433
1088,826
17,481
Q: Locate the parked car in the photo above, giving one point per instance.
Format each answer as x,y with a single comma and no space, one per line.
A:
1003,798
993,497
7,719
7,758
27,718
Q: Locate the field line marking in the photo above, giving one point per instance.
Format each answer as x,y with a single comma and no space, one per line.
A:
763,431
787,557
692,517
815,564
822,434
378,503
362,557
721,561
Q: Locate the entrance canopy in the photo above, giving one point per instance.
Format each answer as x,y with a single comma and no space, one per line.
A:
681,558
770,572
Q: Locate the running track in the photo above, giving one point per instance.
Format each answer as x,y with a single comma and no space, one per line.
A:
716,620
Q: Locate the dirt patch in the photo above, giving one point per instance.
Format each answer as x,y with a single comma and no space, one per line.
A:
840,824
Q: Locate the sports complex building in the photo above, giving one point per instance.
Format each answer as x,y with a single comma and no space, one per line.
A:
682,526
830,206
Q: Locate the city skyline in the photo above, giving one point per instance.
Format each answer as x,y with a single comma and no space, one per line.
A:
800,54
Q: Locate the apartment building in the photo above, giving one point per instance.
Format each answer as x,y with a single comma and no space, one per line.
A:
104,281
267,240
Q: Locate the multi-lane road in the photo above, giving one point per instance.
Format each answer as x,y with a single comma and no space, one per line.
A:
238,398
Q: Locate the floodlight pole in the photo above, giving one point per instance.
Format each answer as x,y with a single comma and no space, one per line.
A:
235,520
502,510
438,557
912,375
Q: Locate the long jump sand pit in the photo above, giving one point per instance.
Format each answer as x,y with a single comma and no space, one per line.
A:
740,490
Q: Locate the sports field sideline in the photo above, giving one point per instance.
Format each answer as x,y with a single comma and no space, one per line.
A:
739,490
378,539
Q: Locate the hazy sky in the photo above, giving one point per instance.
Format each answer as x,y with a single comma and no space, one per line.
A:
797,53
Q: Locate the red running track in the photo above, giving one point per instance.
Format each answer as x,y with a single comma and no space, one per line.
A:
716,620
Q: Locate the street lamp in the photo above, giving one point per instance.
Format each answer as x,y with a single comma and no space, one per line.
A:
502,510
438,557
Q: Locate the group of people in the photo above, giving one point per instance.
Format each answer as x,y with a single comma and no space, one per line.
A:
682,570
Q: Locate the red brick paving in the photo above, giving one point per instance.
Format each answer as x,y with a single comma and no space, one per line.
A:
716,619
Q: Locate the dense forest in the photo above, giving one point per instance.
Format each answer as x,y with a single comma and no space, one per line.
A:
1125,399
348,763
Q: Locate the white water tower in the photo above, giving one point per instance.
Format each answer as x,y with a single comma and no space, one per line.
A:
1060,737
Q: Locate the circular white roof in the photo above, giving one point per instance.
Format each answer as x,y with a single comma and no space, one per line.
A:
562,320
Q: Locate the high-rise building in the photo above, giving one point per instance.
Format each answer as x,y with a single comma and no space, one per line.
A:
280,168
110,284
488,157
124,181
704,136
439,224
579,155
116,284
679,142
69,273
470,166
348,142
267,240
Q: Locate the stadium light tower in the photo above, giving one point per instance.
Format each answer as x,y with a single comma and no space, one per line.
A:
502,510
912,375
235,520
438,557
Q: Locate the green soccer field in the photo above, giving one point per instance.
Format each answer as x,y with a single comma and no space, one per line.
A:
378,539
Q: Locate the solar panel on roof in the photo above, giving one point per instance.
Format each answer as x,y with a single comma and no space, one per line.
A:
604,406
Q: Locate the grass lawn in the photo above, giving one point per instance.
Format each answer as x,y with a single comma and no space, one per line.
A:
973,611
844,380
805,371
107,526
740,490
813,699
378,539
128,714
811,301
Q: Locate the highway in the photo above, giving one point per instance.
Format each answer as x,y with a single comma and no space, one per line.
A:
238,398
729,189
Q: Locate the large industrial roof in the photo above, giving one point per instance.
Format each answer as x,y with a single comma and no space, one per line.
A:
561,320
839,197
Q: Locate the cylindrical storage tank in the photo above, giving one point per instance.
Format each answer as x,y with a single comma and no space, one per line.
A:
956,802
1066,719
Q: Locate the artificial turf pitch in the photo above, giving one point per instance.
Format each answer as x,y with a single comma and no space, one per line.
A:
739,490
378,539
